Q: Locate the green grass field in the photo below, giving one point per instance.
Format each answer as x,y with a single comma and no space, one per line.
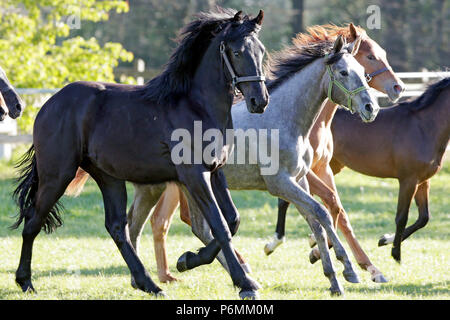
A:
80,260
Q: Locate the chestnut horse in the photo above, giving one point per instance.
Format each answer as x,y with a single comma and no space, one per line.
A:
373,58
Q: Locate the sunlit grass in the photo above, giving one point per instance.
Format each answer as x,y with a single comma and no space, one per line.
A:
80,260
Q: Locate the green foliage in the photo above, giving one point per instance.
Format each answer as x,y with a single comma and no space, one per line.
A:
37,49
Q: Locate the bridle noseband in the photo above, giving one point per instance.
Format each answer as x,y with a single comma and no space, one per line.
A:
235,80
370,76
349,93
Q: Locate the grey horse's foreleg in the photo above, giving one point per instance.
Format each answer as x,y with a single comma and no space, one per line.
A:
284,186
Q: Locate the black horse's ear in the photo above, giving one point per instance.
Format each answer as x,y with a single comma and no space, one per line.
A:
238,16
338,44
259,19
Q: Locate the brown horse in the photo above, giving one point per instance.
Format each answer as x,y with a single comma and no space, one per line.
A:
411,140
373,58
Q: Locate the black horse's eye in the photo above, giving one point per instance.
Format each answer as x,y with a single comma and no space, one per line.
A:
236,53
371,57
344,73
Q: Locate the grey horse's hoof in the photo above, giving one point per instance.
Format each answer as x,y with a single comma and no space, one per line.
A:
267,250
182,262
351,277
312,257
246,268
249,295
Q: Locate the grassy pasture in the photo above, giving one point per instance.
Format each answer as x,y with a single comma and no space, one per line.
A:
80,260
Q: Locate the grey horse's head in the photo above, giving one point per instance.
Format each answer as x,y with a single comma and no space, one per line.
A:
349,87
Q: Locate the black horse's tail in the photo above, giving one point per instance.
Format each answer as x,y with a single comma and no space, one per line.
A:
25,193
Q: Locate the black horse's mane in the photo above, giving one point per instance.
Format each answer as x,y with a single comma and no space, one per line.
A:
428,97
284,64
193,41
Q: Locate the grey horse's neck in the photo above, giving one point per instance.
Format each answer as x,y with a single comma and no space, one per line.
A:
299,100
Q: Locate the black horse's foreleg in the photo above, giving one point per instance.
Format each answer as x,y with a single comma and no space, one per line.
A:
222,225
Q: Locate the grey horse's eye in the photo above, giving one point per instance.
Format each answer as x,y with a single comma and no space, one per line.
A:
344,73
371,57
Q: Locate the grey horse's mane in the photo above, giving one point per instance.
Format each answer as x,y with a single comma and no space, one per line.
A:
284,64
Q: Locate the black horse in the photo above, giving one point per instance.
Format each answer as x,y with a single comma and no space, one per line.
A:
9,98
121,133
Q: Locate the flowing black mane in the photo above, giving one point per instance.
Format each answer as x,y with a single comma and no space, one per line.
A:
428,97
193,41
284,64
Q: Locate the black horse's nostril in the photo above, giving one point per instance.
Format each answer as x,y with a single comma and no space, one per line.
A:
253,102
19,107
369,107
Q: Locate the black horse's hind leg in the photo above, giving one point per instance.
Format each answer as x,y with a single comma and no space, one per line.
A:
421,198
115,200
46,197
278,238
201,191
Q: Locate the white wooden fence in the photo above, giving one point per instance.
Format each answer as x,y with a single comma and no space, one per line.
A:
416,83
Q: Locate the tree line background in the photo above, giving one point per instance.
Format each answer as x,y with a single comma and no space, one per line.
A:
414,33
39,49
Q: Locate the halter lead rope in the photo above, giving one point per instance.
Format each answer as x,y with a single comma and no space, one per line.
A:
349,94
235,79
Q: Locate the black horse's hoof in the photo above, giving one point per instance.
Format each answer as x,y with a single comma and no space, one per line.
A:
26,286
249,295
182,262
312,257
133,283
160,295
336,292
396,255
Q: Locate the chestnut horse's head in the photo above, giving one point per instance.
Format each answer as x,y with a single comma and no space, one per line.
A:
372,57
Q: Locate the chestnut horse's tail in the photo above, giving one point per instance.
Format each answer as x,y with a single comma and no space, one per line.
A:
76,186
25,193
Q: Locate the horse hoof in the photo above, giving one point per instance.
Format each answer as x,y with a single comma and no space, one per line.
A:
312,257
26,286
267,250
384,240
379,278
249,295
396,255
337,291
182,262
160,295
246,268
351,277
312,241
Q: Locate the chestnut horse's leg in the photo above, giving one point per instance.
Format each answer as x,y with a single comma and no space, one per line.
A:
145,198
407,190
161,220
324,186
421,197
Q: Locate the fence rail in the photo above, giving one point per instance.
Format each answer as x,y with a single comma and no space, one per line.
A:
415,85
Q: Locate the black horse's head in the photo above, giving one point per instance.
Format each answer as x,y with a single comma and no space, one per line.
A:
244,51
11,99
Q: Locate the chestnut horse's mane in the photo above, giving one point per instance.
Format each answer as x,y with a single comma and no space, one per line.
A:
327,32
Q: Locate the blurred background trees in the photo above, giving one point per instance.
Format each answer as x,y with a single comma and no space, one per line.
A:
39,49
